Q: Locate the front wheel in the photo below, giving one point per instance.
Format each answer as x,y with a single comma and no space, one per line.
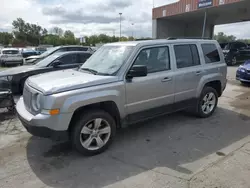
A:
207,102
93,132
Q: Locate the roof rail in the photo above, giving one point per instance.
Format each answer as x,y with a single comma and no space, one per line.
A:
175,38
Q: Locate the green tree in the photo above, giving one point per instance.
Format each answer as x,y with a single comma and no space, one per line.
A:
223,38
57,31
27,33
6,38
247,41
69,34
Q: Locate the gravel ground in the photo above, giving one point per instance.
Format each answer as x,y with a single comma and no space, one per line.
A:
177,150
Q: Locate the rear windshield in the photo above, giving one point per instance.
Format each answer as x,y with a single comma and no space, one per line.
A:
10,52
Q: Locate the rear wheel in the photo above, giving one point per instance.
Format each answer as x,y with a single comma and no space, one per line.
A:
93,132
207,102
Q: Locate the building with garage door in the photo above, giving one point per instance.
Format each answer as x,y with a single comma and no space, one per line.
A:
197,18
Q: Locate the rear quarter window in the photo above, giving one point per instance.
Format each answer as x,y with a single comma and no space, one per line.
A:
211,53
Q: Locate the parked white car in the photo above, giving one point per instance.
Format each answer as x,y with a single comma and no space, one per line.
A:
10,56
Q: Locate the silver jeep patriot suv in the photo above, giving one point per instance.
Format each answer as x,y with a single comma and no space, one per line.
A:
120,84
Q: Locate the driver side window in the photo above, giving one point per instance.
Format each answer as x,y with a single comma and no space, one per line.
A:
156,59
68,59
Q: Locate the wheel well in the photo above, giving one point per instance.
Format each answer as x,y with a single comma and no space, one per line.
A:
108,106
216,85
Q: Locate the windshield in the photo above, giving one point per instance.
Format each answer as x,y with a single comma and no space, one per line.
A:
10,52
46,61
48,52
108,59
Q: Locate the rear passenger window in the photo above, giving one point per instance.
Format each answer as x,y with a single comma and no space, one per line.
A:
211,53
186,55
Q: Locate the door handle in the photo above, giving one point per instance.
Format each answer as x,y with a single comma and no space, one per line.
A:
198,72
167,79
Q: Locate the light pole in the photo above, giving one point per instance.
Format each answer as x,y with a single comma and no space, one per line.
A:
132,30
120,25
204,24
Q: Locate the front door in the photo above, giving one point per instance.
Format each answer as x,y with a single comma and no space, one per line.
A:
151,95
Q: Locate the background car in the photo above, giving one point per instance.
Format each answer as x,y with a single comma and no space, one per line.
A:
236,52
10,56
57,49
29,52
14,78
243,72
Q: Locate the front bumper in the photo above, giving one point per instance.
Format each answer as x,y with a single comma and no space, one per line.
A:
243,76
40,125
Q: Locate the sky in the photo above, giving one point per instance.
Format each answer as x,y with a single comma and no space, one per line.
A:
85,18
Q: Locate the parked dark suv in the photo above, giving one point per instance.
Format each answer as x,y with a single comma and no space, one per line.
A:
32,59
236,52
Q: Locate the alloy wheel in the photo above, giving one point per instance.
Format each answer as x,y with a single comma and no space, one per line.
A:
208,103
95,134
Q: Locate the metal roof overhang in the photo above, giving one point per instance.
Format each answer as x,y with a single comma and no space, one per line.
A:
224,14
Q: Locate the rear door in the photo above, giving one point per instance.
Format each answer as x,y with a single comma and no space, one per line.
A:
187,74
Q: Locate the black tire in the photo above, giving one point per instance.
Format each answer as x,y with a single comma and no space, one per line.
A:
205,91
245,83
84,118
233,61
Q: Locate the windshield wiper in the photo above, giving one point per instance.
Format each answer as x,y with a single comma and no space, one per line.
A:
89,70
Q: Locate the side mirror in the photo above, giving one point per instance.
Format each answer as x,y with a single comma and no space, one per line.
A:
137,71
56,63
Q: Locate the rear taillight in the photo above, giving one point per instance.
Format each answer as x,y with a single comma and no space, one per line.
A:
4,56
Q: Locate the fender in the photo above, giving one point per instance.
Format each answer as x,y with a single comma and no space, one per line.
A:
71,104
206,79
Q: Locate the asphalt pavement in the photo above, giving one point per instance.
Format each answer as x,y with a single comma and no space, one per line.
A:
178,150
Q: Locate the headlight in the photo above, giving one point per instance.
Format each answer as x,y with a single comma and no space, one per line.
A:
4,78
9,78
242,69
36,101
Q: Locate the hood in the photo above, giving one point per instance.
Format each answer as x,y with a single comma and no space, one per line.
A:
34,57
60,81
246,65
17,70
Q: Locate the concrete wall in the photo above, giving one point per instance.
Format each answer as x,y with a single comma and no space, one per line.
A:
162,28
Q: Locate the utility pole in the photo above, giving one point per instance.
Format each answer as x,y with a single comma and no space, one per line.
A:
120,25
204,24
132,30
